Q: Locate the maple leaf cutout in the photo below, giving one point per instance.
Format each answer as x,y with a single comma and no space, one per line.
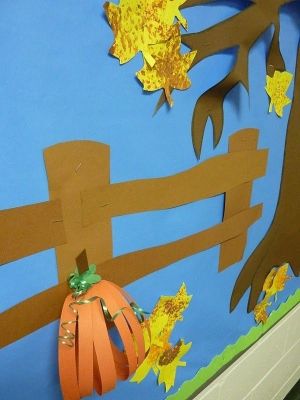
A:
279,280
260,311
160,325
276,88
170,68
137,24
274,283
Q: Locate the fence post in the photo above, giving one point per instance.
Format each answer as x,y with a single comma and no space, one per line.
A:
237,200
72,167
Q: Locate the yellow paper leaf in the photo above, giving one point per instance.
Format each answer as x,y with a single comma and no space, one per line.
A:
169,70
276,88
279,280
169,361
260,311
171,10
269,280
138,24
166,313
274,283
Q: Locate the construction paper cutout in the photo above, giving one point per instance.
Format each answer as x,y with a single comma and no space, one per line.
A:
209,178
240,31
88,357
237,199
96,205
30,229
72,167
276,87
148,26
80,283
219,363
274,283
169,70
20,320
141,263
260,311
281,242
162,357
138,25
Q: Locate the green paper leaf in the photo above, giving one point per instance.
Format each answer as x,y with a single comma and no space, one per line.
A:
93,278
92,268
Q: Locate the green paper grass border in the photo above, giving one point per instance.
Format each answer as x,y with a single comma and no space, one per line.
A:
230,353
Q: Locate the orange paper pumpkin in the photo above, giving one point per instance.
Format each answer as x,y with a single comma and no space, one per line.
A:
88,357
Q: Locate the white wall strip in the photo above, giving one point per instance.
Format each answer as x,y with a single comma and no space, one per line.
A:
267,371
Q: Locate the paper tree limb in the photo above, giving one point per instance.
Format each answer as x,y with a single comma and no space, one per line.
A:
240,31
281,243
210,104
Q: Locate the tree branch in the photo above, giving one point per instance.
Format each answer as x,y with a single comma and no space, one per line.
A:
242,31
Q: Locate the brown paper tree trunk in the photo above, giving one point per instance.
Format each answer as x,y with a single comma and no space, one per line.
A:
282,241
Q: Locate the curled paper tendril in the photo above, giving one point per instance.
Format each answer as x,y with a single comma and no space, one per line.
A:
88,357
68,338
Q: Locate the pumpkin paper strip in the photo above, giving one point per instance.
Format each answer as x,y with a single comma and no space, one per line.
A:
67,356
85,350
104,360
85,345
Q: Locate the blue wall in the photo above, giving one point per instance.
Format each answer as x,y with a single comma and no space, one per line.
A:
57,83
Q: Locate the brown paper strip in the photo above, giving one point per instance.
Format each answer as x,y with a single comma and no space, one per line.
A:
237,199
45,307
72,167
30,229
210,178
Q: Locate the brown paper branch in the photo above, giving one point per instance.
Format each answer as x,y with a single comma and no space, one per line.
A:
45,307
282,241
210,104
241,31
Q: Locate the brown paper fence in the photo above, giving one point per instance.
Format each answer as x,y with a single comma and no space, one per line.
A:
82,203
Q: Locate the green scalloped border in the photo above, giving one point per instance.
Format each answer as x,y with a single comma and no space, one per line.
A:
189,387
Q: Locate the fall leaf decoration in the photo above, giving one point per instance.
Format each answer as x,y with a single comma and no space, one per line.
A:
147,26
162,357
274,283
169,70
260,311
276,88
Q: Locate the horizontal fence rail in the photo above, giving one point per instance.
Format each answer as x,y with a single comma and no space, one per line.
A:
82,203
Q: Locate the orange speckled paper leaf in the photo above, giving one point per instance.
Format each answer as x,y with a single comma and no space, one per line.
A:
163,358
169,70
137,24
274,283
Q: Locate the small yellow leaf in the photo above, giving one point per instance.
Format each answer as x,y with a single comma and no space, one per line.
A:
260,311
279,280
276,88
274,283
169,70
